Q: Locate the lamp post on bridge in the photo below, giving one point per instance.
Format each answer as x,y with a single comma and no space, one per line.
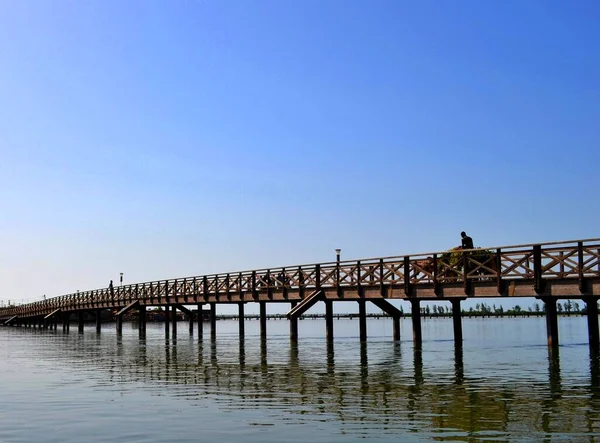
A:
337,260
121,278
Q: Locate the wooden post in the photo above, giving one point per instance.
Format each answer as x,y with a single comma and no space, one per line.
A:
263,319
362,319
456,322
416,323
98,320
174,320
329,320
119,324
592,321
191,320
142,320
293,326
396,320
200,321
551,321
167,320
213,319
241,318
80,316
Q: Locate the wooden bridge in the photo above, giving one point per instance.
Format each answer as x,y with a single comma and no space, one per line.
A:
548,271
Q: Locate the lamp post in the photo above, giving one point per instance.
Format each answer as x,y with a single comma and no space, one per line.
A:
121,280
337,260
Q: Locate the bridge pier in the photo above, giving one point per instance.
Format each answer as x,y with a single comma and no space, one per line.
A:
263,319
457,322
200,320
329,320
167,320
591,304
142,321
174,320
241,318
293,325
80,318
416,323
362,319
551,322
191,321
98,320
213,320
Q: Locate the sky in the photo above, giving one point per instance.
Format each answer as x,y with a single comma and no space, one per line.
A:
168,139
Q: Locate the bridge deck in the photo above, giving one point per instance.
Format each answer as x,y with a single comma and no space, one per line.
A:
569,269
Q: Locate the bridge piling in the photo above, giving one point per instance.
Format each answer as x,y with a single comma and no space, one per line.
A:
241,318
293,325
457,322
329,320
591,304
174,320
167,320
142,321
362,319
98,321
551,321
416,322
80,318
213,320
200,320
263,319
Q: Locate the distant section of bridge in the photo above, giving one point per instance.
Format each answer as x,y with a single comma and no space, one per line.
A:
547,271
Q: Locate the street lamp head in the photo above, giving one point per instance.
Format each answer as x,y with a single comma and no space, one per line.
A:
337,251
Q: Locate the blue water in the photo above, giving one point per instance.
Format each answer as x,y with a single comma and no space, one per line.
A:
503,386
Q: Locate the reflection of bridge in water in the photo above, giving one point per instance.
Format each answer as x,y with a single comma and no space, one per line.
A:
371,385
549,272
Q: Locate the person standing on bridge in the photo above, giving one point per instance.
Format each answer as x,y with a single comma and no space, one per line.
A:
467,242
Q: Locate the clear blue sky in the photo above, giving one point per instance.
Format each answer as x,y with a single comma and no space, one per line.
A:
174,138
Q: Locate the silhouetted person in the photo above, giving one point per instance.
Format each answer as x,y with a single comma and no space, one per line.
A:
110,288
467,242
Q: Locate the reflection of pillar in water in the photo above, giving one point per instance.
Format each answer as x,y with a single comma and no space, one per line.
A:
167,320
142,321
459,370
263,354
555,384
98,320
364,367
418,356
330,357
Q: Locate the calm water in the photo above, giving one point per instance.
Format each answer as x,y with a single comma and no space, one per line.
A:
504,386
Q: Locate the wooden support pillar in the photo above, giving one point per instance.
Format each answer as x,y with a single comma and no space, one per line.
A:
200,320
80,316
213,319
174,320
329,320
416,322
457,322
592,321
263,319
396,320
241,318
98,320
142,320
119,324
551,321
55,323
294,325
191,320
167,320
362,319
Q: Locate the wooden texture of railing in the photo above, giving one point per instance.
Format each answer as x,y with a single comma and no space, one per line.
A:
538,263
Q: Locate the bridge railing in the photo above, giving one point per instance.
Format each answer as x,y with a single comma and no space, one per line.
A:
578,259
